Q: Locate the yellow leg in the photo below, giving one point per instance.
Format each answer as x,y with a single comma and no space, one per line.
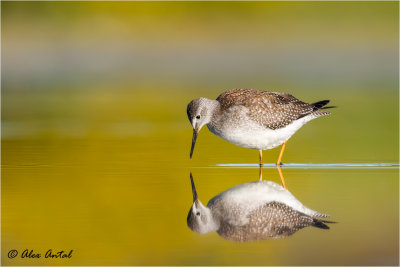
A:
279,162
281,175
261,165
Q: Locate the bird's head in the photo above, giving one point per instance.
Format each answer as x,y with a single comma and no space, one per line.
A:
200,218
200,112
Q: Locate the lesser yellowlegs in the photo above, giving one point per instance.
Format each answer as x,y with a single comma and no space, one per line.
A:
252,118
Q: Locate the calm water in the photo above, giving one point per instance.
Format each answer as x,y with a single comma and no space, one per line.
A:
125,202
83,176
95,139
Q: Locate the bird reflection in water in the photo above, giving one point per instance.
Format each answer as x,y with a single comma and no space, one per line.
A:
252,211
278,167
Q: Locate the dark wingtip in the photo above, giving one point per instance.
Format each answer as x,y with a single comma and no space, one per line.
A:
320,104
329,107
321,224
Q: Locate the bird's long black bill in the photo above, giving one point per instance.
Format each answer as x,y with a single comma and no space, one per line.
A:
193,142
193,189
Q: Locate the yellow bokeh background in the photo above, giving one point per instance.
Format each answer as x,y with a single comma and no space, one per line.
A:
95,138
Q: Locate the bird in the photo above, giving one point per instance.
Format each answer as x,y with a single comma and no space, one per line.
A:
252,118
252,211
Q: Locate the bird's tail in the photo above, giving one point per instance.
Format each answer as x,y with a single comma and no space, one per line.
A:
321,223
321,105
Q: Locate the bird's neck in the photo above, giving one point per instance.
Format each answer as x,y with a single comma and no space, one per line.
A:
214,221
215,218
214,109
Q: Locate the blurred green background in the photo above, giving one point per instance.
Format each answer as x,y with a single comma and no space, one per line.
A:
95,138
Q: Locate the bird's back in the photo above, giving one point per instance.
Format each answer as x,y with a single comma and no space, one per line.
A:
270,109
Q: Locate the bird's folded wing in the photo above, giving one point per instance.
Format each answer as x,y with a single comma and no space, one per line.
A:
270,109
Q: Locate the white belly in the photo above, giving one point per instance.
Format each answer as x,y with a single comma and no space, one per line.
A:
249,134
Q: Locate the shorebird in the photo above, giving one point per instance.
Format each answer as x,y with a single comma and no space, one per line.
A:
252,211
253,118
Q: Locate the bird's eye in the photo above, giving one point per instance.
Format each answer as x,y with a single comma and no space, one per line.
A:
198,213
198,117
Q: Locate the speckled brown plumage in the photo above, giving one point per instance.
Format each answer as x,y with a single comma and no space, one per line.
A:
272,220
251,118
270,109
